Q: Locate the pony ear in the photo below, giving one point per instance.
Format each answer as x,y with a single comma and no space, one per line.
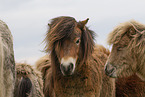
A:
81,24
87,42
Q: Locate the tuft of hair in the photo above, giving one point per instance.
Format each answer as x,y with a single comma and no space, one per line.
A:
29,81
129,27
135,31
43,64
102,49
59,28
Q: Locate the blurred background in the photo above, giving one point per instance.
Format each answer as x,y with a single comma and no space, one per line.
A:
28,19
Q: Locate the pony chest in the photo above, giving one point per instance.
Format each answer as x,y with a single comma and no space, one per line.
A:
72,87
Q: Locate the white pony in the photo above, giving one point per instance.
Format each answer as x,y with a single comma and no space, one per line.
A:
7,62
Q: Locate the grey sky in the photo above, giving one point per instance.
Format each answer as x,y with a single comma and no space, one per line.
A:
28,19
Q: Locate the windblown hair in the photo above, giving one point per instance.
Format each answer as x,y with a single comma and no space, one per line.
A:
133,28
100,48
136,32
89,80
43,64
61,28
29,82
131,37
7,62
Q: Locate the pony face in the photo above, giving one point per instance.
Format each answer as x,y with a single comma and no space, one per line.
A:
68,52
70,44
120,61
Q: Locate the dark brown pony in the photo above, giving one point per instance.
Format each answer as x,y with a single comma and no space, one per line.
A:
76,65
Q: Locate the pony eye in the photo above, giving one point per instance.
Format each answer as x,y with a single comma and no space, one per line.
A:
119,48
78,41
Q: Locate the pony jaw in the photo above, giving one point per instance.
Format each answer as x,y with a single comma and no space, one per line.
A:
67,66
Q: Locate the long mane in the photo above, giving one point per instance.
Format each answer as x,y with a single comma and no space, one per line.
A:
88,76
136,32
133,29
60,29
123,28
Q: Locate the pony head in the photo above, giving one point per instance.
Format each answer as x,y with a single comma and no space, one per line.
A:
70,43
127,55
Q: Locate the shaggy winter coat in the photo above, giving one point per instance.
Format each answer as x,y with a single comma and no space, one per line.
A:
29,81
7,62
83,78
127,59
88,79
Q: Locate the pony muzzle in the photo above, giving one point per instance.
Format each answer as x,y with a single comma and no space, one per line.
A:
110,70
67,66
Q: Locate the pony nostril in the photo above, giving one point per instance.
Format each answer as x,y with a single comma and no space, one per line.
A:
70,67
110,70
67,70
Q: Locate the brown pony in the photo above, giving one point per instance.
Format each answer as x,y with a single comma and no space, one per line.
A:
128,52
76,65
29,81
127,59
7,62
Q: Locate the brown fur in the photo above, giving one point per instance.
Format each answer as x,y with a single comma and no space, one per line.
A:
89,79
29,82
131,86
127,59
128,54
43,64
7,62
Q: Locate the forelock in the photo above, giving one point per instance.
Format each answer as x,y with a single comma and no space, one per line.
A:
60,28
115,36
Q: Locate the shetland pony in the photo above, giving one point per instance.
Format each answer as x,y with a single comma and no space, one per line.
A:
29,81
128,52
127,59
7,62
76,65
